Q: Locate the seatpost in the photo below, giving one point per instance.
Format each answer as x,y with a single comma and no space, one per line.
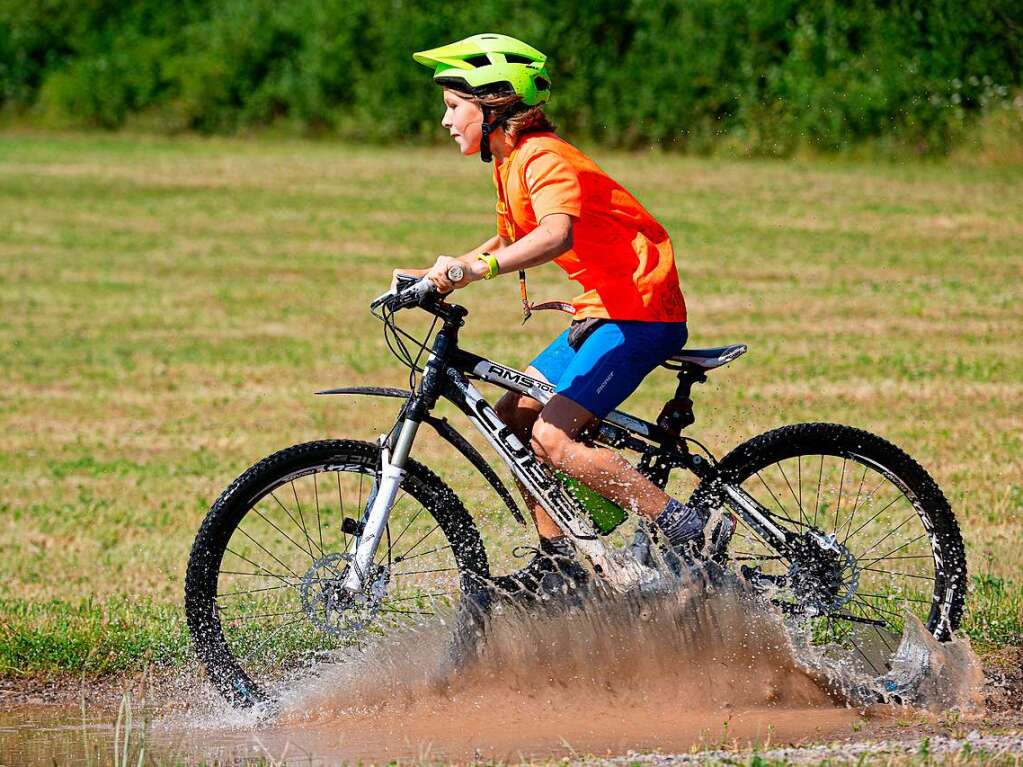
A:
677,412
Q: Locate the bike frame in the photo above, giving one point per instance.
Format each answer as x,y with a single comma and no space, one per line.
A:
447,374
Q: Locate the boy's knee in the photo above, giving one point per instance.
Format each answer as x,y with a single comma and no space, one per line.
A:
514,411
549,443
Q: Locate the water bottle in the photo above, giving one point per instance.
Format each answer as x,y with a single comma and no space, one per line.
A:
606,515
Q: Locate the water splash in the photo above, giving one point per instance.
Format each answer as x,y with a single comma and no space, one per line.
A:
706,664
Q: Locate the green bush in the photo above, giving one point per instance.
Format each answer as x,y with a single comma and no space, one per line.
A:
764,77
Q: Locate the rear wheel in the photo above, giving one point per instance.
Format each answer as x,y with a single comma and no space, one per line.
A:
262,591
873,536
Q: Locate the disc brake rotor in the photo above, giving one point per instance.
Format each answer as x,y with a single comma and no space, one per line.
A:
334,609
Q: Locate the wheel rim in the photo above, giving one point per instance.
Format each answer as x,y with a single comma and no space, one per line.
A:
882,558
278,602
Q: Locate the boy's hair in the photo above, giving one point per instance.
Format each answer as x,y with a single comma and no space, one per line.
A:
512,114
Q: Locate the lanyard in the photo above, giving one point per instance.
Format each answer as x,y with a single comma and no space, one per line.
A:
527,308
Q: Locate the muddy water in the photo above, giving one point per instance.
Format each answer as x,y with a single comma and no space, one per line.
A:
705,668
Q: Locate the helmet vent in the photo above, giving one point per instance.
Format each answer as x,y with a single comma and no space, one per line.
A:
514,58
479,61
541,84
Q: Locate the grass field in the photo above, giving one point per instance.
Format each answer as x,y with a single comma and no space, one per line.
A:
167,308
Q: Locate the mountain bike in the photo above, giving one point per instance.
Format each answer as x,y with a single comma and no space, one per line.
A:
324,545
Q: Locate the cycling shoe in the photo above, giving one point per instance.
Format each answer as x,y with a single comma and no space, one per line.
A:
552,573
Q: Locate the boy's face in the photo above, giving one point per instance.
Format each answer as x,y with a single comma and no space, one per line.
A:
463,118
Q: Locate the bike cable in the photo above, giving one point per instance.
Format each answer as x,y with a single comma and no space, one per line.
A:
396,337
706,451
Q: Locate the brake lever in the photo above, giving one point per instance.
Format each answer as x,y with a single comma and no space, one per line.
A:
410,291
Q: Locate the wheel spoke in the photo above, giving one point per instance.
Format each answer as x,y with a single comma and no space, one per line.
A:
298,545
841,487
854,619
406,612
253,652
301,516
422,572
817,500
878,514
263,574
294,521
894,598
862,603
799,505
771,493
241,617
407,525
897,548
889,534
864,656
406,556
901,575
268,552
422,554
799,479
253,591
260,567
856,505
319,526
341,506
420,596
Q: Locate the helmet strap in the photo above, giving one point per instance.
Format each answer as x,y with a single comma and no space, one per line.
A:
485,153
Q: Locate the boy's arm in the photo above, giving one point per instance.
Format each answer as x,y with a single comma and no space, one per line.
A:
492,245
545,243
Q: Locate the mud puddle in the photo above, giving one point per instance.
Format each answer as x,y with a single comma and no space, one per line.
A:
710,667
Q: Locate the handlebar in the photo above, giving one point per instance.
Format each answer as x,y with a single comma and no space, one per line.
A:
410,291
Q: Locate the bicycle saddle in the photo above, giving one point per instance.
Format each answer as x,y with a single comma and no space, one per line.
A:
707,359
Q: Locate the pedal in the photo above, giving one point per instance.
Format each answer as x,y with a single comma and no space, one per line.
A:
721,537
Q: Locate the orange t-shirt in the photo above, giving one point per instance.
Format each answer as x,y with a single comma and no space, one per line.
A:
620,255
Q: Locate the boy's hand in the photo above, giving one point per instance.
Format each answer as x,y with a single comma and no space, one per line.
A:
438,274
407,272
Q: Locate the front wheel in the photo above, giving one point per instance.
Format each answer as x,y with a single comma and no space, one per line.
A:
263,593
871,535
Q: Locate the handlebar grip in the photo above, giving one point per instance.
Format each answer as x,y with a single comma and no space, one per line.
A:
417,291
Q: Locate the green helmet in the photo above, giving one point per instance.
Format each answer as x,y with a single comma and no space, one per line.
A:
489,63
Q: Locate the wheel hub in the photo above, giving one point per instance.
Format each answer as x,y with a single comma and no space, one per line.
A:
330,606
824,575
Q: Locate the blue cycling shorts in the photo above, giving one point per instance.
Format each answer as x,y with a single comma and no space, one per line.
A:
611,363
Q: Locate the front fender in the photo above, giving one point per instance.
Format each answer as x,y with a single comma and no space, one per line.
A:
450,435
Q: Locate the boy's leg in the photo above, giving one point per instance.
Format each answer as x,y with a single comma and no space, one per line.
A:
519,413
609,365
554,440
553,568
